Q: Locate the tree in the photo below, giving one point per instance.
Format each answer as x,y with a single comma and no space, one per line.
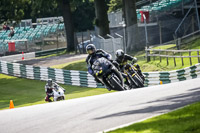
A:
101,20
68,22
44,8
129,9
115,5
84,12
12,10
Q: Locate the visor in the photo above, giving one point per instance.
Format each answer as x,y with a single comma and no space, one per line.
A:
90,52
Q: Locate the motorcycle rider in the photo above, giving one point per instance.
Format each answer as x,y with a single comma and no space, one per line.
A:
122,59
50,85
93,55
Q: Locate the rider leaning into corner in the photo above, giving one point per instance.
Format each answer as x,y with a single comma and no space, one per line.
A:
122,59
50,85
93,55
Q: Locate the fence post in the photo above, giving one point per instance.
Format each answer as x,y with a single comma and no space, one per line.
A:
198,56
160,57
160,30
167,58
179,43
190,58
146,35
174,60
147,54
182,59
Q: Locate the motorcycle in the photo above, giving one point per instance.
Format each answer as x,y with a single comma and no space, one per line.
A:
134,80
57,94
136,67
104,70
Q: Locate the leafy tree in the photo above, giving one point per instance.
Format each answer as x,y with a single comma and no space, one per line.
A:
84,13
115,5
44,8
12,9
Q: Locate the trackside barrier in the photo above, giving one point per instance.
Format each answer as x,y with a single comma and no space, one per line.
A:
83,78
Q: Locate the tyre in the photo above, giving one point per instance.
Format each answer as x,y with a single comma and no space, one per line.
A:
60,98
115,83
135,80
139,82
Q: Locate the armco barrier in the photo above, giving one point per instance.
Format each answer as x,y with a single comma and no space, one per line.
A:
82,78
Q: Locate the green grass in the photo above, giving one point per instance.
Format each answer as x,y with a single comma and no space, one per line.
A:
170,46
25,92
75,65
185,120
56,54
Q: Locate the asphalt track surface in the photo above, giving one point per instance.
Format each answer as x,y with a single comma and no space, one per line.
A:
53,60
100,113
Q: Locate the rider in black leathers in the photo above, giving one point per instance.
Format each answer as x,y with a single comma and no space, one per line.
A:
122,59
93,55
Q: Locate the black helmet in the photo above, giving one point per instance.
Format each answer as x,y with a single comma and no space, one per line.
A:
90,49
50,82
119,54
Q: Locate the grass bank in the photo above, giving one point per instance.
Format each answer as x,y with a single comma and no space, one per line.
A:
185,120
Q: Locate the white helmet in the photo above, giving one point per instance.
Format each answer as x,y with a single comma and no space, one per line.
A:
119,53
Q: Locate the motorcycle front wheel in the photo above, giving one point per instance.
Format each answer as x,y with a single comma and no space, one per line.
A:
139,83
116,83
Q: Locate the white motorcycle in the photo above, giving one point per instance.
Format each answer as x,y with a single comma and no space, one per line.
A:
58,94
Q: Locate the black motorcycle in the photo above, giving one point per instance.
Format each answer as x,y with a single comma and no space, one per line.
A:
136,67
104,70
134,80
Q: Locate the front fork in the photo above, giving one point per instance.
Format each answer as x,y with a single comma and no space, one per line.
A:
138,70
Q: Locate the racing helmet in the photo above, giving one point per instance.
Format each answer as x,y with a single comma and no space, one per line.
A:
134,60
50,82
91,49
119,54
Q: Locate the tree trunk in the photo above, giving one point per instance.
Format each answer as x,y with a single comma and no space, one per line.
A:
102,17
130,15
68,22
